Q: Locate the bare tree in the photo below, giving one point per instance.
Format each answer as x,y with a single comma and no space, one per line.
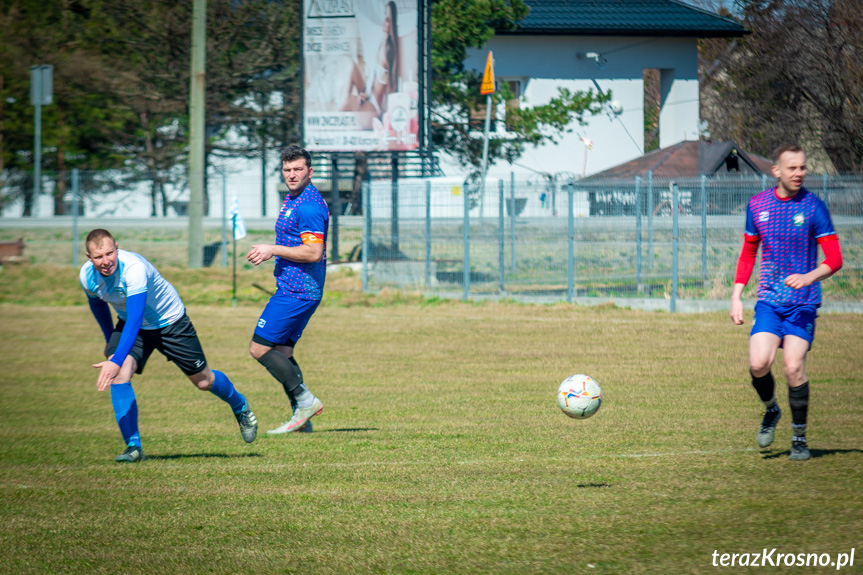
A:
797,77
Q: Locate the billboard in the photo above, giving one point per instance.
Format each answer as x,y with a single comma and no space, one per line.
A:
361,75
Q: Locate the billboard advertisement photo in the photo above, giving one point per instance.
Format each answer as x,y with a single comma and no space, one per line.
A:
361,65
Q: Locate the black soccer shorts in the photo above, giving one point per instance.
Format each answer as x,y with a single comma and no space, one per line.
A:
178,342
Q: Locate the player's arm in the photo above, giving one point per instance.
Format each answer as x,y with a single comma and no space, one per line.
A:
102,313
311,221
312,250
832,263
745,265
134,319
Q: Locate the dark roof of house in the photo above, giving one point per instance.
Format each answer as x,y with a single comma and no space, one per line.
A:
690,159
623,18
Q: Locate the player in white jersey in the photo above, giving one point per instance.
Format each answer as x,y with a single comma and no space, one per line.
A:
150,316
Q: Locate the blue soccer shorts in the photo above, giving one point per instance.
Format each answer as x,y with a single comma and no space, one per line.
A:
284,318
797,320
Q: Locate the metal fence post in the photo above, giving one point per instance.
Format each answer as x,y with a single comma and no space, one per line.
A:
234,259
704,231
500,235
763,181
75,196
674,240
570,246
367,232
224,219
466,258
638,209
336,205
650,220
512,215
394,203
428,234
825,195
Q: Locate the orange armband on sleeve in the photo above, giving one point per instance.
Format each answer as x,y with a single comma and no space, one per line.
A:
311,238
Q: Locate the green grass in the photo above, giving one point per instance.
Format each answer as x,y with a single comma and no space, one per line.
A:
440,450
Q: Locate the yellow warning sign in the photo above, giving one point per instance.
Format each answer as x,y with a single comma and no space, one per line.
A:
487,86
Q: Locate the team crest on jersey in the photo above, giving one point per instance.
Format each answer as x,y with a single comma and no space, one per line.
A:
798,220
763,216
288,213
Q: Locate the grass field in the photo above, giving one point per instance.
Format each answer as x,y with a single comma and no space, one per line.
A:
440,450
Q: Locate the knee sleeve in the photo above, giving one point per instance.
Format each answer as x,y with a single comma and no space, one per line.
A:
284,369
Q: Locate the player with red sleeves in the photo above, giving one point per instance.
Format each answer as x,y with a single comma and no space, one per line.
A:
790,223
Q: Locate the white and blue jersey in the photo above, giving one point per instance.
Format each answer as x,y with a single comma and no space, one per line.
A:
134,275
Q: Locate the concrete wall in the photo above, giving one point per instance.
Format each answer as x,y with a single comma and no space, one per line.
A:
549,62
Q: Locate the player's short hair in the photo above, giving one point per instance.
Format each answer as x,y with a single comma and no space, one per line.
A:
96,237
294,152
777,153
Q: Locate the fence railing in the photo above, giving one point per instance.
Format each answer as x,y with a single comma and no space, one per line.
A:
523,238
640,237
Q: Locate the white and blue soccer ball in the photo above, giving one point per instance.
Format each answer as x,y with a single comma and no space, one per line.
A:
579,396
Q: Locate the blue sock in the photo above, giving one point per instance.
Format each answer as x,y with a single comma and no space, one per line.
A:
126,412
224,390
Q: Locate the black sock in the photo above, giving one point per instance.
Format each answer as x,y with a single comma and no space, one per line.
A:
292,394
284,369
765,386
798,399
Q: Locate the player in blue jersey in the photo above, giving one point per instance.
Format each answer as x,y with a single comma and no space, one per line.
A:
789,223
301,261
150,316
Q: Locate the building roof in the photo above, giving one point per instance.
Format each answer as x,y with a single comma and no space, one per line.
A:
690,159
623,18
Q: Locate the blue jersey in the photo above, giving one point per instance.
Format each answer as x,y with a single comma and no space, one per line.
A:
134,275
789,229
304,218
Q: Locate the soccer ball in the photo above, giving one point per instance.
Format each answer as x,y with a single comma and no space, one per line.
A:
579,396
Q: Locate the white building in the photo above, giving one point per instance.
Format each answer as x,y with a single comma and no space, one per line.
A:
607,45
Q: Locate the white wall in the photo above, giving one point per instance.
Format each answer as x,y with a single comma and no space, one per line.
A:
446,199
559,61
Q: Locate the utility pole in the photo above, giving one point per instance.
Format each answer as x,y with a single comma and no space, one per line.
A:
41,94
197,133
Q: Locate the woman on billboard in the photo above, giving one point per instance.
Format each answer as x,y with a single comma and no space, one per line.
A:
372,96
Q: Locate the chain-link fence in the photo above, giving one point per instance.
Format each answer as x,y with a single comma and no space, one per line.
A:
148,211
541,239
536,238
134,194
